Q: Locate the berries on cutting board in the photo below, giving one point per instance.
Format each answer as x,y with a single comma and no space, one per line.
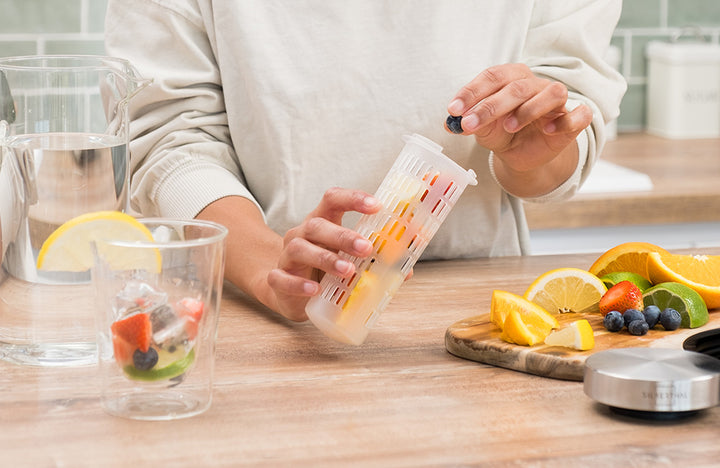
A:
670,319
652,315
638,327
631,315
621,297
614,321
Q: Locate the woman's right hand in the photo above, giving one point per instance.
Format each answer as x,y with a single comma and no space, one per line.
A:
311,249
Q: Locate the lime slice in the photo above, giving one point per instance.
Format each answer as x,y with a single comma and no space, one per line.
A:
685,300
69,247
168,372
611,279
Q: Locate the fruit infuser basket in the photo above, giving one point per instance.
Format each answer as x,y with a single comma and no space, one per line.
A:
417,194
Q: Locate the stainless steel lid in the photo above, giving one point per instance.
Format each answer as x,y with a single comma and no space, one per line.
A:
653,379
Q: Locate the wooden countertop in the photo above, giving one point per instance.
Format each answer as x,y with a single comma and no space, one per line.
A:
285,395
686,188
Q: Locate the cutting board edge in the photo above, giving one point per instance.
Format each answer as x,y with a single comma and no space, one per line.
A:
527,360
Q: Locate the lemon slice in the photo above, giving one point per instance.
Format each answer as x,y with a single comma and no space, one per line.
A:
578,335
69,247
566,290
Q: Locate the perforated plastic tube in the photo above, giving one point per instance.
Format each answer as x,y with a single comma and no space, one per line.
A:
417,194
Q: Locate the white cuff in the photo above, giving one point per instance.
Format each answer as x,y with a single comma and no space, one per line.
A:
564,190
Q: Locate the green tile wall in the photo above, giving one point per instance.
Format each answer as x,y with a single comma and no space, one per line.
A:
29,27
76,26
643,21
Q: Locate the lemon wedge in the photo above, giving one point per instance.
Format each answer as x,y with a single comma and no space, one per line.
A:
69,247
578,335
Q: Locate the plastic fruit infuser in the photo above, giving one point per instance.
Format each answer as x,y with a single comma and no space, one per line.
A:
417,194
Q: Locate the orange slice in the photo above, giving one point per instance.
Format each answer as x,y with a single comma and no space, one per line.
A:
698,272
628,257
503,303
516,331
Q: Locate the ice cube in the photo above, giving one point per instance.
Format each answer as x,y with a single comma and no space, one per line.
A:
169,329
164,234
138,296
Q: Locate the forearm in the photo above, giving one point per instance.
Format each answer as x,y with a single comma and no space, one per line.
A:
540,180
252,248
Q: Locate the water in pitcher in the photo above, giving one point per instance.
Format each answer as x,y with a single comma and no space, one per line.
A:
64,175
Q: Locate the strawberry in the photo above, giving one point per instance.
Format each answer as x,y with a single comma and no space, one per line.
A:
191,310
135,330
621,297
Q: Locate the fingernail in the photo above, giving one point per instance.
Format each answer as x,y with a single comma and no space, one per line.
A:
371,202
456,107
362,245
470,122
310,288
343,266
550,127
511,124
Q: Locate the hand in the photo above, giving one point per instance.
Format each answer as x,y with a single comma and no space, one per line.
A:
519,116
311,249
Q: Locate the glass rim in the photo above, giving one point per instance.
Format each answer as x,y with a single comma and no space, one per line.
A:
219,234
63,62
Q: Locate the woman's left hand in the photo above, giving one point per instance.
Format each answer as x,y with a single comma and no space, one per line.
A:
519,116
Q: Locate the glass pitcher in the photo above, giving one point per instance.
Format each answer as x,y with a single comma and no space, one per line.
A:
63,152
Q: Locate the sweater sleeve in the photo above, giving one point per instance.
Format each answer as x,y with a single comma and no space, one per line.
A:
567,42
182,156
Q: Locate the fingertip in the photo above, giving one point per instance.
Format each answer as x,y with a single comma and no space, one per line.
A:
370,204
456,107
311,288
362,246
550,128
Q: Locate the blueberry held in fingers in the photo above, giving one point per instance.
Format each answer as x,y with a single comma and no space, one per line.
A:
454,123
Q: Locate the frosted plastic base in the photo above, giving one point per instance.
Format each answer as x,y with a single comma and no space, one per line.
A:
316,312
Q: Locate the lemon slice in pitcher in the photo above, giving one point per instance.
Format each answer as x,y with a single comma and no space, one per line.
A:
69,247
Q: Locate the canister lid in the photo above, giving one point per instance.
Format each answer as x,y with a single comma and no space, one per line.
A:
683,52
653,380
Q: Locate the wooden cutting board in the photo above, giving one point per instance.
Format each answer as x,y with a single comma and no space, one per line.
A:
477,339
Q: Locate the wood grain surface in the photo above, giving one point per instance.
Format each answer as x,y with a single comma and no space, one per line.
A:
477,339
684,174
286,396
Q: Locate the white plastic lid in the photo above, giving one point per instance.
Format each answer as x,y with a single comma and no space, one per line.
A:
683,52
434,151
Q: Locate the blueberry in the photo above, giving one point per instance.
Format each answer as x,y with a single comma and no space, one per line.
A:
638,327
613,321
162,317
145,361
453,123
670,319
631,315
652,315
